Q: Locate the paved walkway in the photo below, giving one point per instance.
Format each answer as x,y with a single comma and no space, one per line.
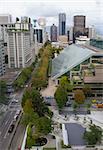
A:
50,90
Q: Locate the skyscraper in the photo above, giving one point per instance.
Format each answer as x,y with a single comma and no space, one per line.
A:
53,33
62,24
39,34
79,25
79,21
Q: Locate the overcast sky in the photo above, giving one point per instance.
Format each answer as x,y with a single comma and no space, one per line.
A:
93,9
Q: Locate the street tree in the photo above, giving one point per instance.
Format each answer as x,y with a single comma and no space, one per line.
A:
43,125
79,96
94,135
29,116
61,97
64,82
87,90
3,90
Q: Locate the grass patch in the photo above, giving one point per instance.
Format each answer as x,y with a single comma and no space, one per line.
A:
64,146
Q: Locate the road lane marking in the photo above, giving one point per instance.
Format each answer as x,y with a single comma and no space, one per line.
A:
6,122
6,132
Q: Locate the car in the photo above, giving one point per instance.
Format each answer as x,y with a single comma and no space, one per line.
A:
100,105
15,117
14,101
11,128
18,112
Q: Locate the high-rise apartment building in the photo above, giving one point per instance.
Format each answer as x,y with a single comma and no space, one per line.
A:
19,48
62,24
2,58
53,33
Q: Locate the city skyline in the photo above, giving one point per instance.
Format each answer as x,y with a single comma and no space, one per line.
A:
39,9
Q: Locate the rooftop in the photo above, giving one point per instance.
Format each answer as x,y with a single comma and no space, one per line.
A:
69,58
75,134
98,78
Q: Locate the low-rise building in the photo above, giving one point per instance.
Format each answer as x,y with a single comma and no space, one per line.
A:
83,66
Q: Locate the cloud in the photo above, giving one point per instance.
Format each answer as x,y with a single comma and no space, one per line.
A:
50,9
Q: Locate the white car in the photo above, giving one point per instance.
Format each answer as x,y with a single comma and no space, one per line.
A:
18,112
15,100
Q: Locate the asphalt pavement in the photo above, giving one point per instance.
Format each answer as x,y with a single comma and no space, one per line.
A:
4,127
17,142
6,121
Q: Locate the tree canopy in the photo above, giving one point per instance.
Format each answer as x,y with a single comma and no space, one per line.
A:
87,90
3,90
23,77
61,97
79,96
94,135
64,82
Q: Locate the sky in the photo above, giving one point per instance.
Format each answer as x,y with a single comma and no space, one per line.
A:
93,9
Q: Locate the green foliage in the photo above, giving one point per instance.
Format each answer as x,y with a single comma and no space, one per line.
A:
64,146
30,139
23,77
40,77
88,105
87,90
43,125
29,116
41,74
37,101
61,97
75,106
93,136
3,89
79,96
26,96
29,142
64,82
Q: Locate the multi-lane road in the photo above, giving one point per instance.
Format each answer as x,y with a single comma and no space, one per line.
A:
5,137
11,141
5,123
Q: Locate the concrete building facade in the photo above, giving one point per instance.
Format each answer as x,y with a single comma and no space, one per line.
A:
19,49
79,25
5,18
2,58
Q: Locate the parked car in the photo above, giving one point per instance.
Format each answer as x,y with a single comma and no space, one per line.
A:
18,112
100,105
15,117
11,128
